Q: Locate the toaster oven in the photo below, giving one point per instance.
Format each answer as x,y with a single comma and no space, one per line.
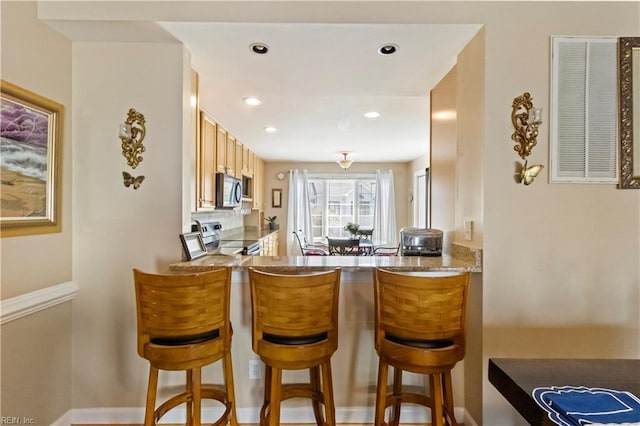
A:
420,242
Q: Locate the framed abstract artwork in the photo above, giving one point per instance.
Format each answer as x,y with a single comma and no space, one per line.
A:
30,169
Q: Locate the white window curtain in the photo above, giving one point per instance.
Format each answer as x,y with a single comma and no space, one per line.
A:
384,214
299,213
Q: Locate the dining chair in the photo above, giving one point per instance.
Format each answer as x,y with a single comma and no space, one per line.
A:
307,244
295,327
183,325
365,232
343,246
308,250
386,251
419,328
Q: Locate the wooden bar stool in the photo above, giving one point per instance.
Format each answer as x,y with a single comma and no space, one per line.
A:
183,324
419,327
295,327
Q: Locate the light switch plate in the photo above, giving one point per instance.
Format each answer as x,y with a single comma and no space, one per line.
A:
468,230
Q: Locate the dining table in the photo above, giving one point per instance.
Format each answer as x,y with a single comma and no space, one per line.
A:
352,246
517,379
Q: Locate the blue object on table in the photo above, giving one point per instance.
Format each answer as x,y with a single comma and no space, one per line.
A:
579,405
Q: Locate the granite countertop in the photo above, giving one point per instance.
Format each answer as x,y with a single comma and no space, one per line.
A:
466,259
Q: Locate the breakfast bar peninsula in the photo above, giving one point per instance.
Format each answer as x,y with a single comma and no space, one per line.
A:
355,363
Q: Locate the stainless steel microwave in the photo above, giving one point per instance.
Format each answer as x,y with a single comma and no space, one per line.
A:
228,191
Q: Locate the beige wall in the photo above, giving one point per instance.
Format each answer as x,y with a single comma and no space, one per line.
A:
468,205
43,68
561,265
32,345
443,158
471,139
545,270
120,228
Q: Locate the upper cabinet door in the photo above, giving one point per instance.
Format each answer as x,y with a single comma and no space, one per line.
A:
221,149
207,163
231,155
247,161
238,158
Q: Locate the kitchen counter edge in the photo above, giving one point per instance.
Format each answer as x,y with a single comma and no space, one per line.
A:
463,259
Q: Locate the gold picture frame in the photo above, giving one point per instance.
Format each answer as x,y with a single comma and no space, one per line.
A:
629,121
30,169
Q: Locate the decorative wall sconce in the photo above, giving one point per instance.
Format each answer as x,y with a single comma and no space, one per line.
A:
344,163
525,119
132,134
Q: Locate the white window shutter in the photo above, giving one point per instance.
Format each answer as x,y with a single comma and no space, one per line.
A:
584,110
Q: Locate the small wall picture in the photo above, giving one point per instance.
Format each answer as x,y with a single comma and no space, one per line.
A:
276,197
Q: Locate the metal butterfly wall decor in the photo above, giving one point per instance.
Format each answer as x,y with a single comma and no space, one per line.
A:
132,181
526,174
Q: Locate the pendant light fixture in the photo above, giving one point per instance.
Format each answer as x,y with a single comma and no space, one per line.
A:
344,163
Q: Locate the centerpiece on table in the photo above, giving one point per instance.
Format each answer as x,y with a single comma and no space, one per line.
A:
353,229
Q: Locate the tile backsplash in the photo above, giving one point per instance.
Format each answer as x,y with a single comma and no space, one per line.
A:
229,219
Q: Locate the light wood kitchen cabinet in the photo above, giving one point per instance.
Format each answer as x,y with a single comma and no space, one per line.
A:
226,145
258,183
206,192
276,244
221,149
247,161
230,161
237,168
270,244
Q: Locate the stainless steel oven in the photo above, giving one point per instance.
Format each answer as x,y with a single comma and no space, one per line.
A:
254,249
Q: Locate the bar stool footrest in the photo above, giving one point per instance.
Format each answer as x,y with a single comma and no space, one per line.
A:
413,398
206,392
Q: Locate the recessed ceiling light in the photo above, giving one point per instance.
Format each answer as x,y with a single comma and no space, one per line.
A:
252,101
270,129
372,114
259,48
388,49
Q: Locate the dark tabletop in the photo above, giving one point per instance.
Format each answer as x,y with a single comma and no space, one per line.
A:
516,379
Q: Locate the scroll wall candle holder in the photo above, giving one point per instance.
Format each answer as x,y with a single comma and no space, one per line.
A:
525,119
132,134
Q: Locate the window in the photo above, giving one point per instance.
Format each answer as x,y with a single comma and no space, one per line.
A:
584,110
336,201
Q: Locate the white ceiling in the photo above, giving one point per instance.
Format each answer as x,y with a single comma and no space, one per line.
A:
318,80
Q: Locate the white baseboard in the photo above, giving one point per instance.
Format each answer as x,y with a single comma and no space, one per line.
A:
134,415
